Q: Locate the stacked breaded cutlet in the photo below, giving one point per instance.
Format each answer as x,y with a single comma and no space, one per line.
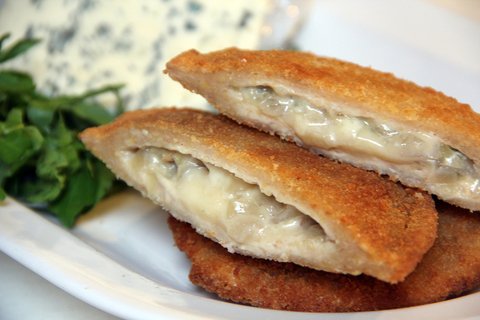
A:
312,190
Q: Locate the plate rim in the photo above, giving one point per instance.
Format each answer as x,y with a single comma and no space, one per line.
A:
101,291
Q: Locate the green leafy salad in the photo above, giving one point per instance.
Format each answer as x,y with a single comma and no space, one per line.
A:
42,162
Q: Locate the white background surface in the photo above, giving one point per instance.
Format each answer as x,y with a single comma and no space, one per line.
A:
434,43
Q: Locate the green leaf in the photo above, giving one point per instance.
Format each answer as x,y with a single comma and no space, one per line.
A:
3,195
15,118
40,117
79,105
3,37
71,153
36,137
62,134
93,112
52,104
120,106
14,121
39,190
16,82
51,162
99,91
105,179
14,146
17,48
18,145
79,195
4,172
67,101
60,152
84,188
3,99
42,161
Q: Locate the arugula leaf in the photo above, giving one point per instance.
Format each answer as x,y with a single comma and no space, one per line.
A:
42,162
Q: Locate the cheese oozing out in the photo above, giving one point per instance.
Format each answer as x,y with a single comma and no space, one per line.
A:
235,213
420,158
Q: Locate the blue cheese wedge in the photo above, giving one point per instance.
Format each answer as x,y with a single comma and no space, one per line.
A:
91,43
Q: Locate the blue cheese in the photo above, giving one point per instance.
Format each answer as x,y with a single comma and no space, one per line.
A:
90,43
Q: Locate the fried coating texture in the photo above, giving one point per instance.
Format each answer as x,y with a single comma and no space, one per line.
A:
450,268
340,88
391,225
378,94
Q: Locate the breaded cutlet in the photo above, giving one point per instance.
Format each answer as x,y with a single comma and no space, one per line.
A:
354,114
340,218
449,269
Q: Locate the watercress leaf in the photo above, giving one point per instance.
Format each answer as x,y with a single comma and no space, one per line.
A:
3,104
105,89
18,145
15,82
71,153
92,112
40,117
17,149
36,137
13,121
78,195
61,152
15,118
44,103
40,190
51,161
3,37
61,133
76,122
66,102
14,146
105,179
4,172
41,159
17,48
3,195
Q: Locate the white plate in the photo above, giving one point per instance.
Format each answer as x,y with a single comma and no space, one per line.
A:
121,258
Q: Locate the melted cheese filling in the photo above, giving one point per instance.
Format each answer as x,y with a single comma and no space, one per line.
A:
229,210
432,160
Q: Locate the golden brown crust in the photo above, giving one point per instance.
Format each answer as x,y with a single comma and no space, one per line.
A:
380,95
450,268
392,224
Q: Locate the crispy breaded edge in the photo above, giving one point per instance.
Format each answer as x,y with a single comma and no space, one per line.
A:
357,90
393,225
449,269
